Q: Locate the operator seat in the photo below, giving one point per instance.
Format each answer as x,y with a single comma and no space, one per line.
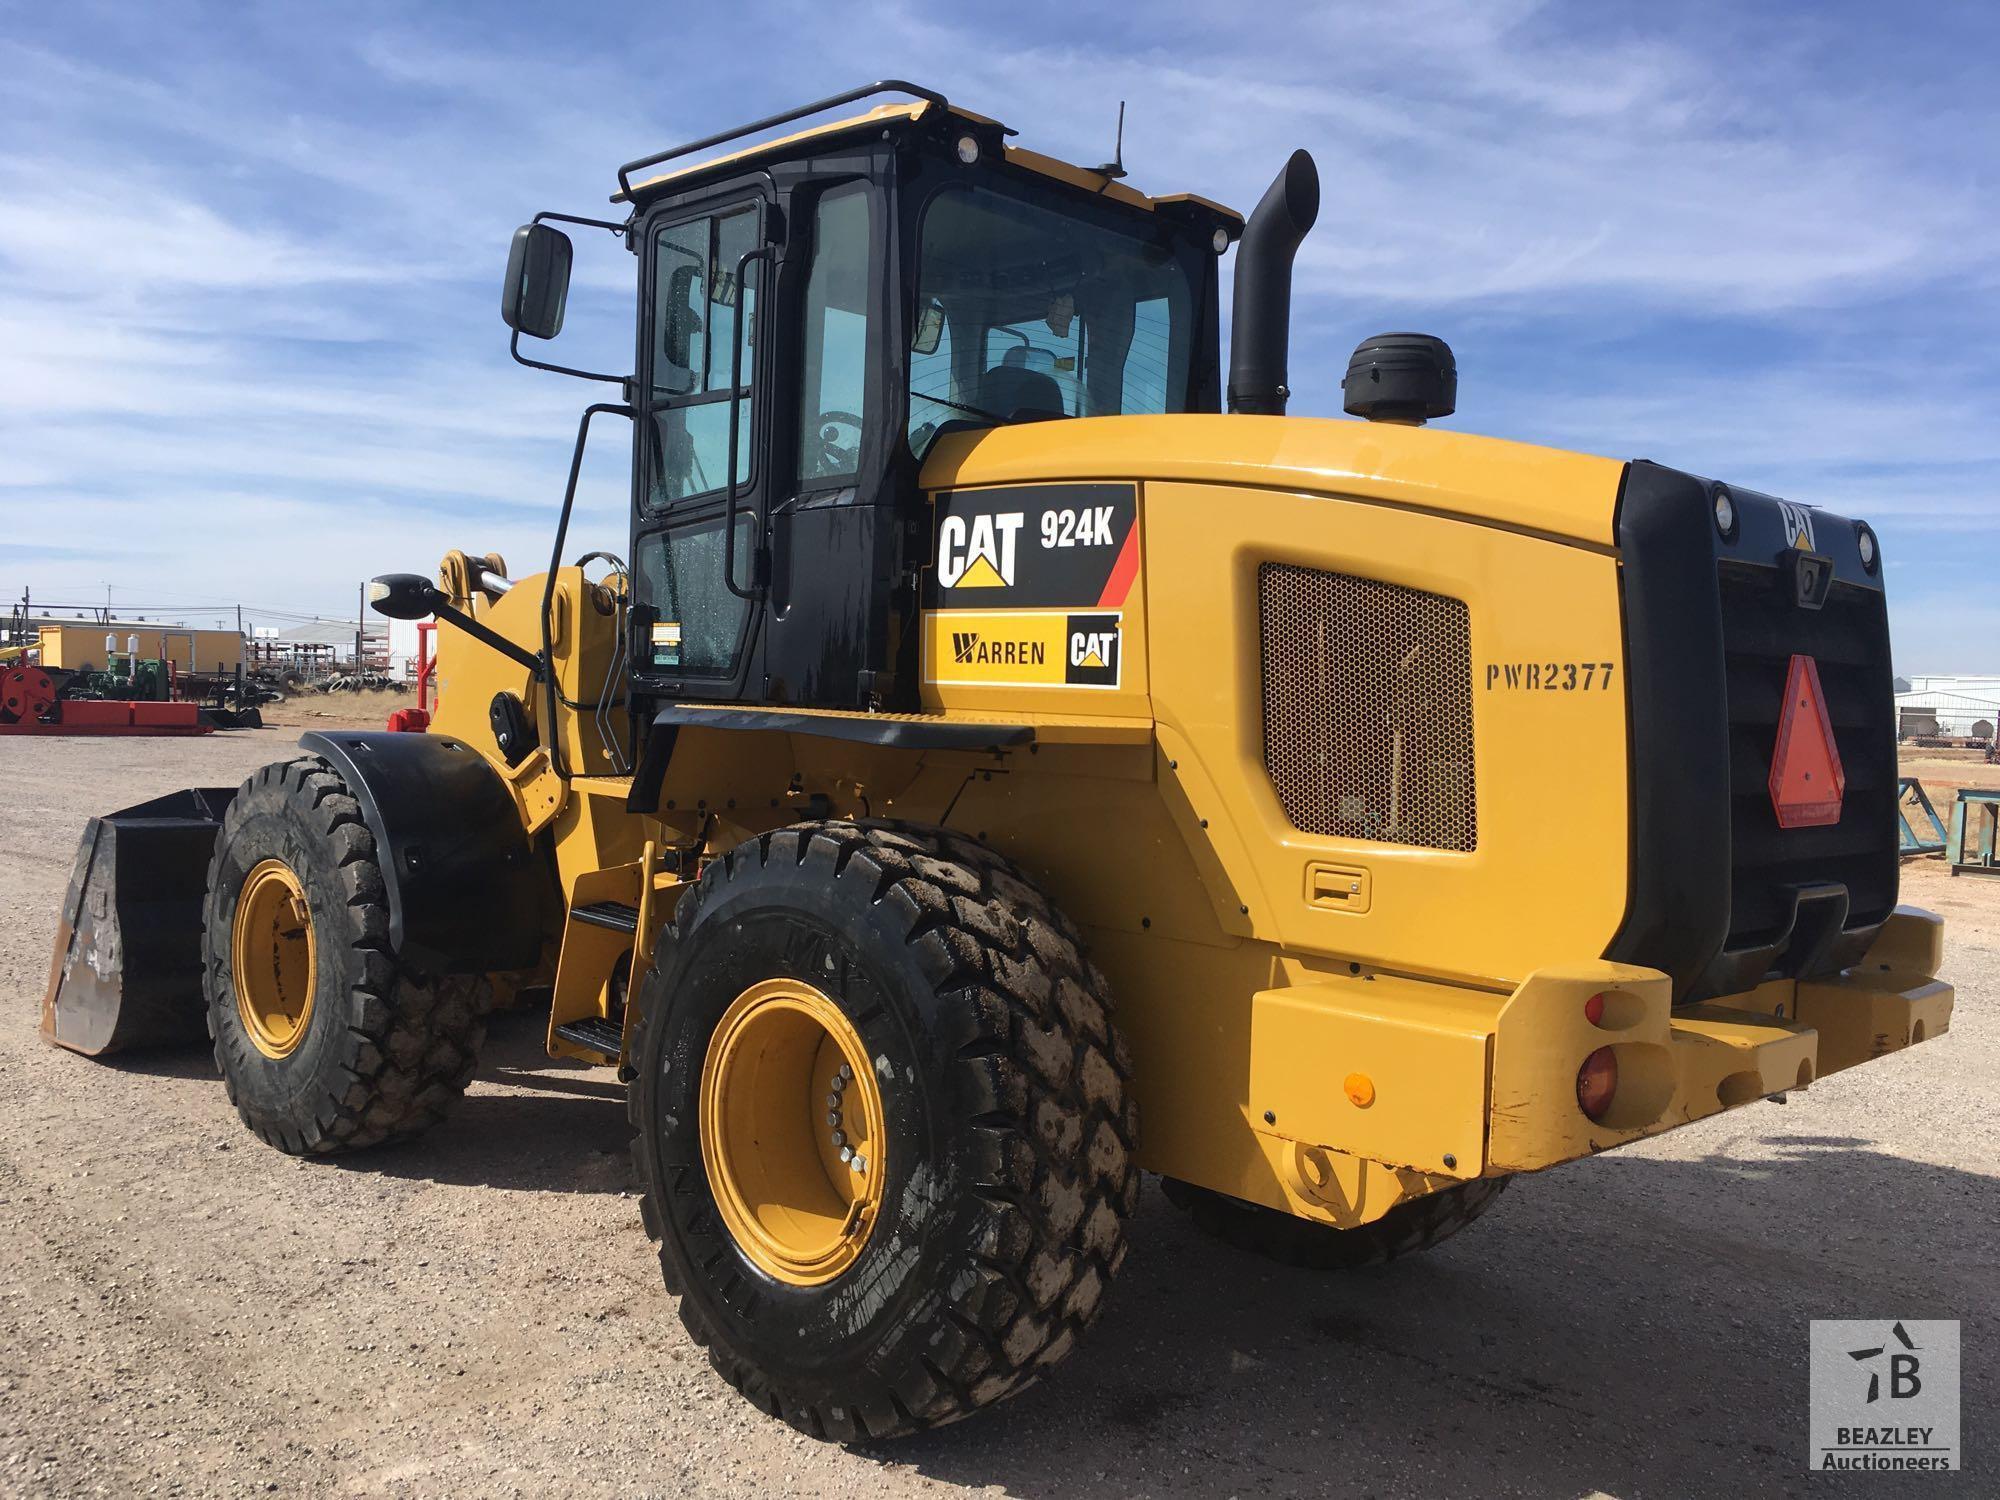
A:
1012,391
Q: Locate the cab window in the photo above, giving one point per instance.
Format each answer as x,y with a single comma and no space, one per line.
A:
1048,311
699,314
833,377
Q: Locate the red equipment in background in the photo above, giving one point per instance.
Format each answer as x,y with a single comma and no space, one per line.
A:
417,720
29,704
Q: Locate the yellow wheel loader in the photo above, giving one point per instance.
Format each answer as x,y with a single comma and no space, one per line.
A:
999,763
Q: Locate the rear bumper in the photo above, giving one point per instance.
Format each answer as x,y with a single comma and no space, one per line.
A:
1680,1065
1367,1092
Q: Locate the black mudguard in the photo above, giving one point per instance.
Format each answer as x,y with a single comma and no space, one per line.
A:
465,892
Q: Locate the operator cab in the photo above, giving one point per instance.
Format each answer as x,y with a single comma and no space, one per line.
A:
814,312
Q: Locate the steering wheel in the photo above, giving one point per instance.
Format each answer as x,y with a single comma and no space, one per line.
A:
833,458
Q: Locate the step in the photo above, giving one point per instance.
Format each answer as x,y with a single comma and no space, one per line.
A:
594,1034
615,915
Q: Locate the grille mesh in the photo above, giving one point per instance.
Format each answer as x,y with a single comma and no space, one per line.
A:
1367,708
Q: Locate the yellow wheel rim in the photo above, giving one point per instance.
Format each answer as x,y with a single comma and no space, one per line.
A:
791,1131
271,958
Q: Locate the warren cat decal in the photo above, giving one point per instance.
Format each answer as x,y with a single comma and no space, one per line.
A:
1034,547
1023,648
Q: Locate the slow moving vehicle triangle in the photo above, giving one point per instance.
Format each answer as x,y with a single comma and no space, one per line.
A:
1807,782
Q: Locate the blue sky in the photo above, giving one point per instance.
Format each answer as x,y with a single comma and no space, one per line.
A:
250,255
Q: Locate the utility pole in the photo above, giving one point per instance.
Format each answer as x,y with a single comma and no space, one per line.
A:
360,624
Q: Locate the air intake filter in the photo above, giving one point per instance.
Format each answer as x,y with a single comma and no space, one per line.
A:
1401,377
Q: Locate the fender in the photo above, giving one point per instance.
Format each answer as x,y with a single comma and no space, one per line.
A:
900,731
464,889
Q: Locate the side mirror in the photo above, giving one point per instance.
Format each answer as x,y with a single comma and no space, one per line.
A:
683,317
537,286
930,328
403,596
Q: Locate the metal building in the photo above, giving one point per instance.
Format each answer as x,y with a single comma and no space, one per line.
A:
1952,707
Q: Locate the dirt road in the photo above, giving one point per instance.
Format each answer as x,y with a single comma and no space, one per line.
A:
185,1311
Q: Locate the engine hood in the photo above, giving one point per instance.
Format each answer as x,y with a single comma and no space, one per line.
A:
1571,497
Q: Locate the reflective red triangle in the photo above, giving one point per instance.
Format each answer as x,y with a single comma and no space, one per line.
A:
1807,781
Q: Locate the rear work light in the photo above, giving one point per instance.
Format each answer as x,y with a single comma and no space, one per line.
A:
1596,1082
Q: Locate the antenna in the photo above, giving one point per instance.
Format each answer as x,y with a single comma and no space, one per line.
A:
1115,168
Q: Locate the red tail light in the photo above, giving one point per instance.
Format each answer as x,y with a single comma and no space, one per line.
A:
1596,1082
1593,1010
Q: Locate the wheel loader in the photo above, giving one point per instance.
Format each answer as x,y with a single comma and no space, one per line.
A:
1009,755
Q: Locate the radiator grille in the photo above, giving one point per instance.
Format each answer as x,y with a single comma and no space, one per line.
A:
1367,708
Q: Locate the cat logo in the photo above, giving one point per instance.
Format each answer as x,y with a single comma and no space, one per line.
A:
978,551
1798,525
1089,651
1093,651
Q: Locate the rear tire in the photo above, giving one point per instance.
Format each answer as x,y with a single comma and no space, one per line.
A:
994,1105
325,1043
1413,1225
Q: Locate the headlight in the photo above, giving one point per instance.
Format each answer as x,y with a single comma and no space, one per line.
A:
1864,543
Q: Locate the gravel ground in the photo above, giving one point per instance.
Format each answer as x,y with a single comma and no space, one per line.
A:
185,1311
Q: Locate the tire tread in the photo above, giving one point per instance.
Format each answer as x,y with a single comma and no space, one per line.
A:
990,940
411,1041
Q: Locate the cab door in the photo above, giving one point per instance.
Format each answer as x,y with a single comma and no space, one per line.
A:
703,352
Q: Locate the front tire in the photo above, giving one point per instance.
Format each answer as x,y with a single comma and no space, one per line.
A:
325,1042
986,1091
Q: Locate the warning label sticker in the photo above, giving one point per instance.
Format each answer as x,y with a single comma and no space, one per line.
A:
1075,545
1023,648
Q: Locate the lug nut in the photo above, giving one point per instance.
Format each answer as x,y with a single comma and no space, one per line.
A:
840,1138
833,1117
860,1163
846,1072
839,1083
847,1153
833,1101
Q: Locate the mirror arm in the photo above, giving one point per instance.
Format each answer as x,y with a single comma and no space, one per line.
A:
514,348
438,603
444,609
763,252
514,343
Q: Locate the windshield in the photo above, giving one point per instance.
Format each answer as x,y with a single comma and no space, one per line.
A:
1026,311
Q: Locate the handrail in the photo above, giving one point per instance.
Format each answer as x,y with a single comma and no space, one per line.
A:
548,664
784,117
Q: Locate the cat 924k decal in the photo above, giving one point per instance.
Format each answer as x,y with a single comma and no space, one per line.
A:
1068,546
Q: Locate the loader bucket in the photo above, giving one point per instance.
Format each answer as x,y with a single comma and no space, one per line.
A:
127,965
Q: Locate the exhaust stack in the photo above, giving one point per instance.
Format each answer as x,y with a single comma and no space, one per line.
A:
1261,333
